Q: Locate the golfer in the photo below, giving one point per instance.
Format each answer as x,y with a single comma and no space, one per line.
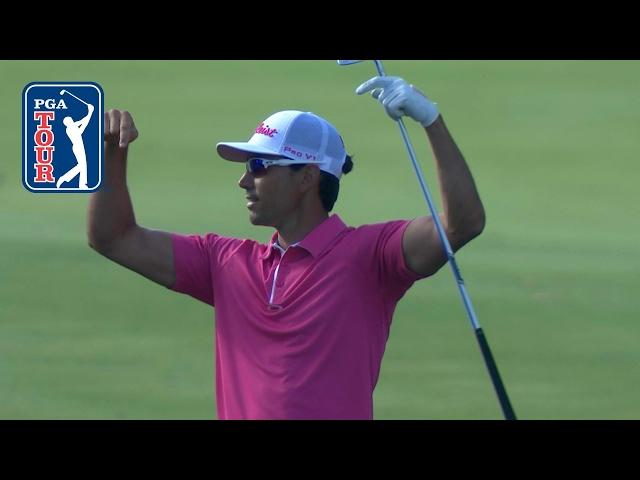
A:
74,131
301,323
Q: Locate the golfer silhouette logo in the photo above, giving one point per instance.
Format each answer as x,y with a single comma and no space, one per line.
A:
63,137
74,132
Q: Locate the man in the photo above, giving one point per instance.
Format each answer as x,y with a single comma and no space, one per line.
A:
301,323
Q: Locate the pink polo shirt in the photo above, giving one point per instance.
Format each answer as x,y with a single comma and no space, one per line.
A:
299,334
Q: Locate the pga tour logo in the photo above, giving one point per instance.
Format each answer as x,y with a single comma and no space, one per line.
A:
62,129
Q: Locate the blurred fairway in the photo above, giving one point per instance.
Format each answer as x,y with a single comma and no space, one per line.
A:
554,148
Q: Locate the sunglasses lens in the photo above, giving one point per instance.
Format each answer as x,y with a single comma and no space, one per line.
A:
255,165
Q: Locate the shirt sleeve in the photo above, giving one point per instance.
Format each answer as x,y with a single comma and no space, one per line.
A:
196,260
393,273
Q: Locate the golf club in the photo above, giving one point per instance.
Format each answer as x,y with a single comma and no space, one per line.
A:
507,409
62,92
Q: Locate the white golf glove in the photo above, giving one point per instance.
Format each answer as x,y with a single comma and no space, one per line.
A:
399,98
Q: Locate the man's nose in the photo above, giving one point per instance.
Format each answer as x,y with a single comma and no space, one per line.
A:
246,181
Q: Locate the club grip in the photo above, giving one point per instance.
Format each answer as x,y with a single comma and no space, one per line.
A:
507,409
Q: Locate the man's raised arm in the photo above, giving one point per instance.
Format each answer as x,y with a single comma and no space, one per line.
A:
111,225
464,217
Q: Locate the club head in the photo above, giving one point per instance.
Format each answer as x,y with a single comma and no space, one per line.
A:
62,92
349,62
378,64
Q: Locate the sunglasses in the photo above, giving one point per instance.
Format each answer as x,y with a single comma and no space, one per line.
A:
257,165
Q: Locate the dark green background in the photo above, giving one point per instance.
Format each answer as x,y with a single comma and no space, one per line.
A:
553,146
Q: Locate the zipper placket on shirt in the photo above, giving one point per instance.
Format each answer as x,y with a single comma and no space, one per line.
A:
275,275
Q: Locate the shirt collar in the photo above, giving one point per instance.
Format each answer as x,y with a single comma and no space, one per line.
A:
317,241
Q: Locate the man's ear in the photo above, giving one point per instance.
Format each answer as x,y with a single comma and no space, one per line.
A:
310,177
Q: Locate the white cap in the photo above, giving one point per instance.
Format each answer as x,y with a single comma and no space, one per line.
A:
304,137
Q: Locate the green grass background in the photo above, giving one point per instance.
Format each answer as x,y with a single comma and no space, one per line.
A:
554,148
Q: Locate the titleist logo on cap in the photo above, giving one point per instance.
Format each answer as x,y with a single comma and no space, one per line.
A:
265,130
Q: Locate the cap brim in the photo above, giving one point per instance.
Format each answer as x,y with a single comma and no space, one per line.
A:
241,151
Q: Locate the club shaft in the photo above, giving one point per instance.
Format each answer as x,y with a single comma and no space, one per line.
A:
67,91
482,341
